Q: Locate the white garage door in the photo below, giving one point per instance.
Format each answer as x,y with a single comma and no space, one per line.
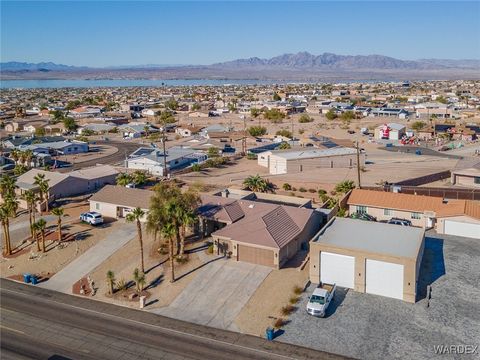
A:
462,229
338,269
384,278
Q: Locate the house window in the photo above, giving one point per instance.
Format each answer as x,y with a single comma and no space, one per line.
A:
362,209
97,206
387,212
476,180
415,215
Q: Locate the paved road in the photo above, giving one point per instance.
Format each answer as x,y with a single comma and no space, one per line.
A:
41,324
217,294
124,148
90,259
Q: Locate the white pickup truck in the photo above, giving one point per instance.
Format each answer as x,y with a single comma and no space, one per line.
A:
322,297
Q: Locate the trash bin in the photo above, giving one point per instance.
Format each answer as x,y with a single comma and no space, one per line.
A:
34,280
27,278
418,152
269,333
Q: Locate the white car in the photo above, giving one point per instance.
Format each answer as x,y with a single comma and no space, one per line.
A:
322,296
93,218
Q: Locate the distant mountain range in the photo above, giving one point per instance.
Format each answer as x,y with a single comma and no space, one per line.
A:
300,66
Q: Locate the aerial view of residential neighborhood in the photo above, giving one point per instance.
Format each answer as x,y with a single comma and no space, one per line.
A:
239,180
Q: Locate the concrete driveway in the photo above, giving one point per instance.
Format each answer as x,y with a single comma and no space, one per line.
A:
90,259
217,294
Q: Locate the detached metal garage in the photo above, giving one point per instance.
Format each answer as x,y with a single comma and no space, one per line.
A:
370,257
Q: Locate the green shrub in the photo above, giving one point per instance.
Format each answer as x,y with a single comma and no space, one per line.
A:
293,300
302,189
287,187
312,191
122,285
284,133
210,249
305,119
287,310
196,167
257,130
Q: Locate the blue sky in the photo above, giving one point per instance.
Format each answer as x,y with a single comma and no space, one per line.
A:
118,33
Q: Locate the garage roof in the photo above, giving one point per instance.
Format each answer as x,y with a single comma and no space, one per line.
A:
123,196
372,237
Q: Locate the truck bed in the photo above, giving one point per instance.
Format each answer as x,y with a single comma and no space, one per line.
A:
328,287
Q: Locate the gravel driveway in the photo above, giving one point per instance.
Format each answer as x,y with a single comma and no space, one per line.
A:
366,326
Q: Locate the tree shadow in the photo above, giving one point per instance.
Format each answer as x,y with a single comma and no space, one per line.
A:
432,266
197,249
156,266
199,267
155,282
151,302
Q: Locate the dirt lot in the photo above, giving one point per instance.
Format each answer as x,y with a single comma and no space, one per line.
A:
161,291
266,303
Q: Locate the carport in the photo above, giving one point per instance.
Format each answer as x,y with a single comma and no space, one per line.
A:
370,257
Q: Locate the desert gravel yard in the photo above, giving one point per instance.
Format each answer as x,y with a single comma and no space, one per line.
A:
366,326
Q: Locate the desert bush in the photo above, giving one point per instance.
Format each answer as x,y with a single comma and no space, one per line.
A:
302,189
297,290
287,310
210,249
278,323
122,285
287,187
293,300
305,119
196,167
312,191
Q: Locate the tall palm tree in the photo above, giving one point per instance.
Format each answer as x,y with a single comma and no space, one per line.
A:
28,157
40,225
136,215
124,179
4,220
22,156
139,177
30,198
42,184
58,211
36,233
14,155
10,207
7,185
169,231
110,281
45,189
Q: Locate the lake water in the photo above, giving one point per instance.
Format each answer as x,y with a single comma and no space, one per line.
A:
37,84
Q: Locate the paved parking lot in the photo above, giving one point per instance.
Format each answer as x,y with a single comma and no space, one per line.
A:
366,326
217,294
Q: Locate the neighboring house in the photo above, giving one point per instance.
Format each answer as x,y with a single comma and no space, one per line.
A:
118,201
152,159
67,184
66,147
462,216
85,111
257,232
97,128
390,131
297,161
187,131
16,141
468,176
216,128
387,112
136,130
380,259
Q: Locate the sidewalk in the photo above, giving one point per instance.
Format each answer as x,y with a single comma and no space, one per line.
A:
88,261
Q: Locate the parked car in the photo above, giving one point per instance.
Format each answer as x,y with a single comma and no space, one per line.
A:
92,218
130,185
322,297
402,222
363,216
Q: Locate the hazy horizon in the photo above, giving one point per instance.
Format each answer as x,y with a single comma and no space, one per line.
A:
113,34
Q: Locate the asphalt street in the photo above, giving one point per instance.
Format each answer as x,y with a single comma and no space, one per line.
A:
42,324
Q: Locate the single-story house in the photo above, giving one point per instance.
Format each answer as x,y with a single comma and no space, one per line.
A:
186,131
62,185
118,201
381,259
462,216
400,113
257,232
152,159
297,161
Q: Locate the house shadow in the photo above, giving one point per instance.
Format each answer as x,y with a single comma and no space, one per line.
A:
297,260
432,266
338,298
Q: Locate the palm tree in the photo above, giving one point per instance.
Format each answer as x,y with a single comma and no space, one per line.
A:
40,225
59,213
14,155
45,189
136,215
169,231
187,220
110,281
139,177
4,219
139,278
22,156
7,185
256,183
42,184
124,179
28,157
35,231
30,198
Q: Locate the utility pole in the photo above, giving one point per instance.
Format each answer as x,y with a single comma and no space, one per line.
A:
165,170
358,167
244,140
